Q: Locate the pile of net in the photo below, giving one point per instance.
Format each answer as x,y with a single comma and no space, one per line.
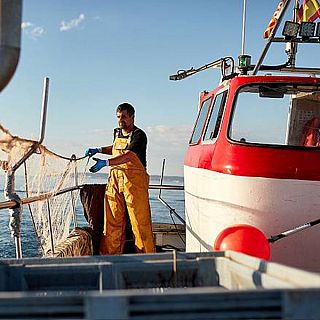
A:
47,176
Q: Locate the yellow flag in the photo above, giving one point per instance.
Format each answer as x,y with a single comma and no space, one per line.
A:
309,11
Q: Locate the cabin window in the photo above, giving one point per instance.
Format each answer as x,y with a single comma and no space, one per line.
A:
202,115
215,117
277,114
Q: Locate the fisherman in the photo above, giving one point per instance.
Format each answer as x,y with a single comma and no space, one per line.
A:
127,189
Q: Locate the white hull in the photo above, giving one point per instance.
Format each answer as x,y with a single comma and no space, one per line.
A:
214,201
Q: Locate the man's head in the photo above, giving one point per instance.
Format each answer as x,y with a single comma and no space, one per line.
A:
125,116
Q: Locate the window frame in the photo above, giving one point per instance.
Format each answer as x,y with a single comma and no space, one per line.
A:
221,111
263,145
210,99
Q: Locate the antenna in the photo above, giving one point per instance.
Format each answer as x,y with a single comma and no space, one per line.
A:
244,15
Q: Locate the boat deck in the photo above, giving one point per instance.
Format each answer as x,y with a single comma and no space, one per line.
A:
171,285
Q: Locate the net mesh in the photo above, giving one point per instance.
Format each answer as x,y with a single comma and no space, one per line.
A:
45,173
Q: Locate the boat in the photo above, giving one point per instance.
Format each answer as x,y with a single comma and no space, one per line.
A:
254,152
234,179
252,157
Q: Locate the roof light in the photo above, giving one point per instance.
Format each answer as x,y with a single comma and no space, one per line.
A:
290,29
244,62
307,29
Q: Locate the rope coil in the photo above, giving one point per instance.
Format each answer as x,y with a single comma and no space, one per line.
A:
15,212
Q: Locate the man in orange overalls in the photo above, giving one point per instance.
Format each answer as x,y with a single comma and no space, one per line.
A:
127,187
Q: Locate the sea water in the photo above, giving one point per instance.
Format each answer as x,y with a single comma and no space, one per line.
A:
30,247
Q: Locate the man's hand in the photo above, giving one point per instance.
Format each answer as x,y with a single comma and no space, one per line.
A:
91,152
4,165
99,164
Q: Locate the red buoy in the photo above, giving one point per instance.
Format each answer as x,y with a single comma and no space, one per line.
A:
243,238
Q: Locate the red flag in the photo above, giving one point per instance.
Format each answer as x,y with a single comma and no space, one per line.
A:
274,19
309,11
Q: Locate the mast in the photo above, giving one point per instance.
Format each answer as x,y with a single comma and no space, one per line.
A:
244,26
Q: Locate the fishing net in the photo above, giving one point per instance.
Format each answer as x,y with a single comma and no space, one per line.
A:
47,176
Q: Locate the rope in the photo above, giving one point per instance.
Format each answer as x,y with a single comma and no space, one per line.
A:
15,212
46,150
68,158
63,157
175,225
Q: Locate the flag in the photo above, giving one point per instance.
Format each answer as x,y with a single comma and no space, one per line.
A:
274,19
309,11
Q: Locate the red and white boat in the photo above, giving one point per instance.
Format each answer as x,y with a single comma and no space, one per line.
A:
254,154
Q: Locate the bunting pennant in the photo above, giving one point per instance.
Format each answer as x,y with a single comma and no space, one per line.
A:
274,19
309,11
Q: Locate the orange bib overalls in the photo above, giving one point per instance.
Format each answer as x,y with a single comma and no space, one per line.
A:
127,188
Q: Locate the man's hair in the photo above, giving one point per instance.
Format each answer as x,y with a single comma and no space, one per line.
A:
126,107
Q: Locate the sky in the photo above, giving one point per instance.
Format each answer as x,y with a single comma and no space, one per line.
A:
100,53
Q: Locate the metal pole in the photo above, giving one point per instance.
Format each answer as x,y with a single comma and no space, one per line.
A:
296,11
75,221
174,267
16,211
294,45
44,109
161,177
42,126
267,45
76,176
17,242
244,26
50,227
74,214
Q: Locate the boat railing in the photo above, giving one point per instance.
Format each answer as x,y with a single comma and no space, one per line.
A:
15,203
20,202
10,204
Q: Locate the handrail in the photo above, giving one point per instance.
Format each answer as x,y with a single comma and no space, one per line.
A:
166,204
220,63
9,204
166,187
42,126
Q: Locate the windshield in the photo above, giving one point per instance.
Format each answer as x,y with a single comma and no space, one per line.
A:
277,114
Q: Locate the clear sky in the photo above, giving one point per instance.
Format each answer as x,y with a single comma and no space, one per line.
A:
99,53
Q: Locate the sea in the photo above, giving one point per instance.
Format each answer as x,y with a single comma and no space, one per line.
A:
30,247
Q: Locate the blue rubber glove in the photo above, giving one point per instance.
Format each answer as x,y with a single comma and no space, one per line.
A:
99,164
91,152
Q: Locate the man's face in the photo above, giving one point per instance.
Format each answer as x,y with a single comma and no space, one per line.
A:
125,121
